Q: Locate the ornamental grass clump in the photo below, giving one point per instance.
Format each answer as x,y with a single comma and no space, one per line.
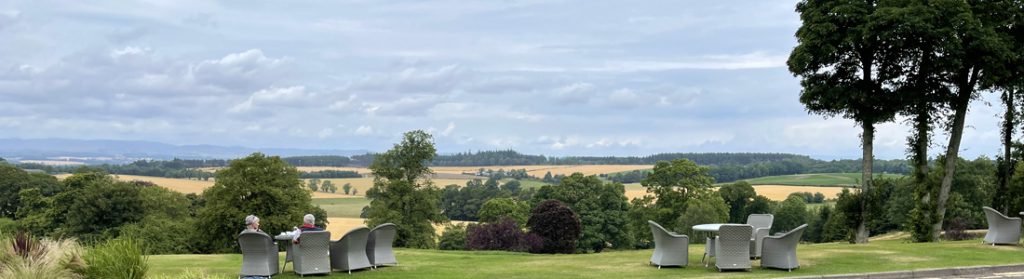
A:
117,258
23,256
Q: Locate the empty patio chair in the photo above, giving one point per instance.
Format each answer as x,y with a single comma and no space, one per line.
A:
780,251
1001,229
349,252
732,247
378,245
670,249
259,254
310,256
762,224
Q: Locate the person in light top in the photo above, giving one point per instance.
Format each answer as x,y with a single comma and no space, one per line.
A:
307,226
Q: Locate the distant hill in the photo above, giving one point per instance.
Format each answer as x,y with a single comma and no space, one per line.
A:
120,151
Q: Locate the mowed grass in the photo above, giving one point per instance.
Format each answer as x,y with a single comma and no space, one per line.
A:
815,179
342,207
815,259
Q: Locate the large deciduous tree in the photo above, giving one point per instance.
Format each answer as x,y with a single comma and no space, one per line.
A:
602,208
838,60
402,192
260,185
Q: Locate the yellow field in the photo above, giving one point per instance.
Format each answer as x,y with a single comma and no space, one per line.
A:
188,186
772,192
340,226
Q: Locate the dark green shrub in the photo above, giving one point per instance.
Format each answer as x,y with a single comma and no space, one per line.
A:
504,235
453,238
120,258
791,214
557,225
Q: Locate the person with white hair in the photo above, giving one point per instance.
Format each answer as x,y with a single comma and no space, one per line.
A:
307,226
252,224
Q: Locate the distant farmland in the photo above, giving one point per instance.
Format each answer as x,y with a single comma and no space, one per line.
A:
814,179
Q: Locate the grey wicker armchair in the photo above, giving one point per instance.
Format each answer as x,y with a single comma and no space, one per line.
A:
780,251
732,247
378,245
670,249
762,224
259,254
1001,229
310,256
349,252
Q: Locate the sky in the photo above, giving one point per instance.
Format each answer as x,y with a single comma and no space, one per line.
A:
541,77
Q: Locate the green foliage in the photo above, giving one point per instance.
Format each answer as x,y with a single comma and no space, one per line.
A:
161,235
557,225
706,208
453,238
495,209
328,186
602,209
759,205
8,226
791,214
737,196
674,184
313,184
13,180
402,194
347,187
120,258
849,211
640,210
259,185
95,207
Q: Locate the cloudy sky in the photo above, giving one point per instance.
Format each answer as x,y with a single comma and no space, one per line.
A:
540,77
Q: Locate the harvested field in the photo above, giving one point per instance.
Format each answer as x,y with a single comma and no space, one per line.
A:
188,186
338,226
772,192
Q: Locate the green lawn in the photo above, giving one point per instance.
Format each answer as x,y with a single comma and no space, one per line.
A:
816,259
815,179
342,207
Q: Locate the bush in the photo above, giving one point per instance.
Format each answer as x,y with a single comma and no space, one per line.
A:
117,258
7,226
557,226
453,238
791,214
705,208
159,235
499,208
958,230
504,235
23,256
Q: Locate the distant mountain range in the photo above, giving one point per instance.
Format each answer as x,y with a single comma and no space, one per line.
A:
118,151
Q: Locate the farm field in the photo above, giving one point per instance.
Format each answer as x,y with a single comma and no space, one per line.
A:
772,192
188,186
815,259
342,207
338,226
539,170
815,179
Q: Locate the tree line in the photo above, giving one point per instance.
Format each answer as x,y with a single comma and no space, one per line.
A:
731,172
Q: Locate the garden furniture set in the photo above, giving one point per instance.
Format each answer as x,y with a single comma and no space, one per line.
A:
315,253
734,247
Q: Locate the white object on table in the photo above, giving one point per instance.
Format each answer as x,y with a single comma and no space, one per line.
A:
709,227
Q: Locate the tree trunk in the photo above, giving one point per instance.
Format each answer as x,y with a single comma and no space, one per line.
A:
1006,169
959,105
922,126
867,161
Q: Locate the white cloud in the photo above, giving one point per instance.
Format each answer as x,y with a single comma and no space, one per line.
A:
448,130
364,130
276,97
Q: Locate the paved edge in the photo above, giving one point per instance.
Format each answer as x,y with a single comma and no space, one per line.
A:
934,272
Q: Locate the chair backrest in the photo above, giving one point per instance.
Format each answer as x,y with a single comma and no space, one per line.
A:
254,243
795,233
760,220
659,232
735,233
356,236
378,244
993,215
315,240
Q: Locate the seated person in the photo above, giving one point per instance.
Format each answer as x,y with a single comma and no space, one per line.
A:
307,226
252,224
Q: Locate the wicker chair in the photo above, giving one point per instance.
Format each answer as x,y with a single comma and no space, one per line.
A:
670,249
259,254
1001,229
310,256
762,224
378,245
732,247
780,250
349,252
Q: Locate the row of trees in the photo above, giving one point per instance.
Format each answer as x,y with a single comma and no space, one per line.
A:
733,172
871,61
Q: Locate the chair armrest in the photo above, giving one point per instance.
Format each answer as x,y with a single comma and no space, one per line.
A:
760,233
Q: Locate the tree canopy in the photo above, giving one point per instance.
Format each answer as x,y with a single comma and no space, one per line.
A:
402,192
